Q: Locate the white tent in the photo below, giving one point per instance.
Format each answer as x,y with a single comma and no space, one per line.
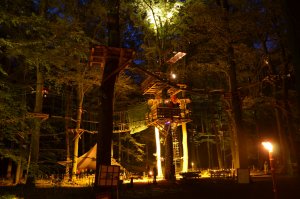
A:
88,160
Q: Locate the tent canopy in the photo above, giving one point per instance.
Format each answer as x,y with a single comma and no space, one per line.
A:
88,160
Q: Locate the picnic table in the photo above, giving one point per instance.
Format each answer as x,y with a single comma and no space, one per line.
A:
224,173
190,175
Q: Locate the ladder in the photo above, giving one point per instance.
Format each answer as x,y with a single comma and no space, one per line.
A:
176,148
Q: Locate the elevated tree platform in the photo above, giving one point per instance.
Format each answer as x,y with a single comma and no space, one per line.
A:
165,112
153,86
42,116
99,54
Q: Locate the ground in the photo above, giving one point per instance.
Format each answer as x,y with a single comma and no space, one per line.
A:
260,187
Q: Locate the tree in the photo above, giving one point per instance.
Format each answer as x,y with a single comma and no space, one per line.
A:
158,24
14,126
292,17
16,41
107,88
220,52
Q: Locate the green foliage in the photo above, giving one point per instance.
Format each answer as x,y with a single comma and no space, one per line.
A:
158,22
132,148
13,126
57,37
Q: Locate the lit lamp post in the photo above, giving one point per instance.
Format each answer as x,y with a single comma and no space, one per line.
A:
269,147
192,166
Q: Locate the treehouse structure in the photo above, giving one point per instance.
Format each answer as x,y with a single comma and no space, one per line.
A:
98,57
168,110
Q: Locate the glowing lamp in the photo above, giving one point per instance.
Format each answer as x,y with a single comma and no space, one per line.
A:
268,146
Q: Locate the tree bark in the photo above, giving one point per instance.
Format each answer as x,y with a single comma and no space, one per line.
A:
35,136
9,169
67,126
185,165
80,95
236,104
169,165
38,107
18,170
293,21
106,93
219,154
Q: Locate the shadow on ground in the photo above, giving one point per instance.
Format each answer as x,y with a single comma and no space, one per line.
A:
259,188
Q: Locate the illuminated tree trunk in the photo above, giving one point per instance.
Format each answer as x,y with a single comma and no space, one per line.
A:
18,170
185,164
9,169
119,148
233,144
158,153
67,126
80,95
281,131
219,154
241,159
209,153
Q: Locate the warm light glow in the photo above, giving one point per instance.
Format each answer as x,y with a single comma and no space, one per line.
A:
159,15
192,164
268,146
158,153
173,76
176,57
185,163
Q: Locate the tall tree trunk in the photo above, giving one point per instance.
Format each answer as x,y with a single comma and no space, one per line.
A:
185,150
236,104
9,169
196,155
233,140
38,107
281,131
18,170
241,153
293,21
290,126
119,148
80,96
35,136
169,165
158,153
107,88
208,153
219,154
67,126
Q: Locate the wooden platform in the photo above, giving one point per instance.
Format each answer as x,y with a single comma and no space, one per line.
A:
100,53
42,116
